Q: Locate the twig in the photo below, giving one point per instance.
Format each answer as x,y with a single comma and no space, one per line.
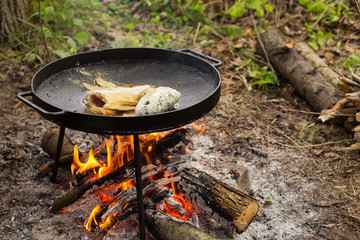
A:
230,79
357,6
295,143
196,33
216,33
254,58
317,113
262,45
42,32
309,145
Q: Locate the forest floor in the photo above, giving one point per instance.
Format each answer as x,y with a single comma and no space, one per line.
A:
306,191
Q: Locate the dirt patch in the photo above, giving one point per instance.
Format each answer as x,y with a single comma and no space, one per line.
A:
304,192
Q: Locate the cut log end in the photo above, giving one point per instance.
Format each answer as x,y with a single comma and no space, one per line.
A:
242,222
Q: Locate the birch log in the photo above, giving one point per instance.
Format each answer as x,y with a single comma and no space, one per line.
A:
309,82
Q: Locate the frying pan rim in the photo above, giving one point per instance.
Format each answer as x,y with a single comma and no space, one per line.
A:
101,51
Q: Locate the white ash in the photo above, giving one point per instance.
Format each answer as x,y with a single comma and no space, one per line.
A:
288,215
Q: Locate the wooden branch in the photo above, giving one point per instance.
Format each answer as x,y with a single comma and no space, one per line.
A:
65,161
165,227
207,193
328,114
316,90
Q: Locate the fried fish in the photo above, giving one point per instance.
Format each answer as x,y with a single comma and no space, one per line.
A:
110,100
157,100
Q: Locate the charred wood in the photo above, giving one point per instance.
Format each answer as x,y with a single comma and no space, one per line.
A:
122,174
130,198
132,209
65,161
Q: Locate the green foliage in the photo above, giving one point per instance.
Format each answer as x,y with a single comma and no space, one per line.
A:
264,75
67,25
334,10
241,6
319,39
352,62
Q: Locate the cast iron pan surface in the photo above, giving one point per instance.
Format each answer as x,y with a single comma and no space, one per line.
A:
59,95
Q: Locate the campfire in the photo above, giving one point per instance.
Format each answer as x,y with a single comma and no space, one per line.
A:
139,174
177,199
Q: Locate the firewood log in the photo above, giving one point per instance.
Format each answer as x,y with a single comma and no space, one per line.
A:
121,174
49,145
209,194
338,81
309,82
65,161
50,139
165,227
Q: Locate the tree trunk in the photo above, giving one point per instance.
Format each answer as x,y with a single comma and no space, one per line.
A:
12,12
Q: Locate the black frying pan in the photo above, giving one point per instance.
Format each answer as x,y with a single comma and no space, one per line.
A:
58,94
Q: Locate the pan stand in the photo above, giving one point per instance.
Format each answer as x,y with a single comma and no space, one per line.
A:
139,188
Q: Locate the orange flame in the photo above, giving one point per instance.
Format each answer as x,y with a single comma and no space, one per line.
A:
92,218
125,185
107,222
84,167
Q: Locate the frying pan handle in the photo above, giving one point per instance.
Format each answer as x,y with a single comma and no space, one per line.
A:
217,63
22,96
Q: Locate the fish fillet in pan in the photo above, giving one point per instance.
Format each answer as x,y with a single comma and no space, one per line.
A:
110,99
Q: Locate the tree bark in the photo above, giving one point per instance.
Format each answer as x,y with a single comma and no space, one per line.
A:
309,82
11,14
213,196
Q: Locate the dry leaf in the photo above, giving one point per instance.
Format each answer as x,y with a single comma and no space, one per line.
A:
247,31
289,45
251,43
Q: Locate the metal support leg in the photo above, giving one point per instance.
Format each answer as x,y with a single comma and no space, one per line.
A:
58,153
139,189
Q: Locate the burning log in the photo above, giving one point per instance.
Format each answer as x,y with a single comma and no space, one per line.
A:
211,195
309,82
130,198
165,227
121,174
130,210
